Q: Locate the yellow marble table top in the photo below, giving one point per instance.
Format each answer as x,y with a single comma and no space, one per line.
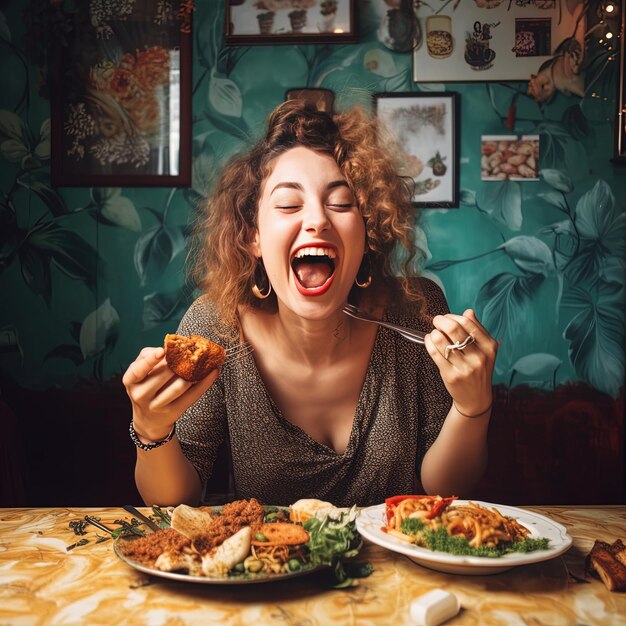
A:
41,583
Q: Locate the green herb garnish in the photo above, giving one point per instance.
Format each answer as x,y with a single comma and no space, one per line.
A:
412,525
126,529
161,517
78,527
82,542
440,541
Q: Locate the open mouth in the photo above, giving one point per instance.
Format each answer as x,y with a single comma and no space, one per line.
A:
313,267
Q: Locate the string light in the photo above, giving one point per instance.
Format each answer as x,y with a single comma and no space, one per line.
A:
609,24
608,8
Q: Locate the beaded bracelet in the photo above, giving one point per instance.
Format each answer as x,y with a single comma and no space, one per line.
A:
153,444
472,416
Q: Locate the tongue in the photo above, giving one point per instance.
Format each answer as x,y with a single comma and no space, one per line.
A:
312,274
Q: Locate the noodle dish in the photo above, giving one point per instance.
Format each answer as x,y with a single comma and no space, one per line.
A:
462,536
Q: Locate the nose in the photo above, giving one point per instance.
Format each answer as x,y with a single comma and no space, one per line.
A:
315,219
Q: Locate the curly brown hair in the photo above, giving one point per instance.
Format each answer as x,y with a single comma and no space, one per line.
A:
221,262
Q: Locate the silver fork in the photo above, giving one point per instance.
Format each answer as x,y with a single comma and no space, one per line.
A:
237,352
415,336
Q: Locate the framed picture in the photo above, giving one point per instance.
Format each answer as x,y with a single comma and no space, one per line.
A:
251,22
494,40
321,99
423,128
511,157
121,100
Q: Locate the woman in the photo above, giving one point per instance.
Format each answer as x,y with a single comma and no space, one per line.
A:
324,406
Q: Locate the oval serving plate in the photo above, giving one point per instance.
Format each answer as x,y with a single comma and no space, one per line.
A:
372,519
234,579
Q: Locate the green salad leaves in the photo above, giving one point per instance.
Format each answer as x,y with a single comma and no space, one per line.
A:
333,540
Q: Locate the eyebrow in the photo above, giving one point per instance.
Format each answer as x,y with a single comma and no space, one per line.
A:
289,185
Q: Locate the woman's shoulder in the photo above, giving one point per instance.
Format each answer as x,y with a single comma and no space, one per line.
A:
419,311
203,318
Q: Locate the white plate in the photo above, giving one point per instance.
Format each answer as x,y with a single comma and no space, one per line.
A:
371,520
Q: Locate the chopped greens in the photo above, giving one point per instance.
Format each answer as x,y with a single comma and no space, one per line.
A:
440,541
127,529
82,542
161,517
412,525
78,526
333,539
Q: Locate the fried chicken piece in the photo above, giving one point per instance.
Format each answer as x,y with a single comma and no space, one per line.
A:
193,357
603,563
618,550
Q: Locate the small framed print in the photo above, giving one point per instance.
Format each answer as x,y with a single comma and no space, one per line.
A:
425,127
510,157
321,99
253,22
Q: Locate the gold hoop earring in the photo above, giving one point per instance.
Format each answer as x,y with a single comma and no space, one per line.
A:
366,283
259,294
256,290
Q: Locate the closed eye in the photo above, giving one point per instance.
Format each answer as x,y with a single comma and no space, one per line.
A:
288,207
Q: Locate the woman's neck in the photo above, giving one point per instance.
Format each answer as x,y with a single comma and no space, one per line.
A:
307,341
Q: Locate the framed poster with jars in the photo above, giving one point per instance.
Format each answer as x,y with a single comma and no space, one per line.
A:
494,40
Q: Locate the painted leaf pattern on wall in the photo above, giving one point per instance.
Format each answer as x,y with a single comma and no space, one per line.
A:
542,262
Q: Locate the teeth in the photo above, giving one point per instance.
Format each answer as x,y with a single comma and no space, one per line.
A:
329,252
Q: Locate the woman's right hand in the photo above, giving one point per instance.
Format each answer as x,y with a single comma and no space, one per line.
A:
158,396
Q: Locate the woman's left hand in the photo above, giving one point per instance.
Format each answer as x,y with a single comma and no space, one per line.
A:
467,373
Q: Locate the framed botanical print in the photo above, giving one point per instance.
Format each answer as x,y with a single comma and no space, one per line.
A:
423,128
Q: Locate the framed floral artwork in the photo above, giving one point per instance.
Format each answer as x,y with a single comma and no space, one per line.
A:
121,96
252,22
422,129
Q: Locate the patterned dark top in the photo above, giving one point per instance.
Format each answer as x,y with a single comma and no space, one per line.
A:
399,414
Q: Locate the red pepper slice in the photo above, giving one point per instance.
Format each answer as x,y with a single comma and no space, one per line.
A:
438,507
439,504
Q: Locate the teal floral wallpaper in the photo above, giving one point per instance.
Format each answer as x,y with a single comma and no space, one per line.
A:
90,275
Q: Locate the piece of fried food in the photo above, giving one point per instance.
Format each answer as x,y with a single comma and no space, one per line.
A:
193,357
190,521
306,508
604,562
280,534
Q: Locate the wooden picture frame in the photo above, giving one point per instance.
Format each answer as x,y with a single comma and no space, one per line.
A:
121,99
492,40
425,127
322,99
274,22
